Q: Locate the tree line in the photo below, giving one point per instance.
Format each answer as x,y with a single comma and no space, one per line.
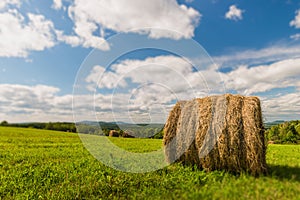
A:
149,131
55,126
284,133
100,128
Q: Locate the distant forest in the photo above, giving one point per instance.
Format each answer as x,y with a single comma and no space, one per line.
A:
139,130
278,132
55,126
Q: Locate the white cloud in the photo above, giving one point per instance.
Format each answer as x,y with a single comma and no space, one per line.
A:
98,77
162,80
150,86
172,72
57,4
234,13
271,67
263,78
296,22
22,103
68,39
17,37
295,36
189,1
262,70
145,90
286,107
91,19
257,56
178,75
6,3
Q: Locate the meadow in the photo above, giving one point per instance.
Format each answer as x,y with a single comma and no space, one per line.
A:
41,164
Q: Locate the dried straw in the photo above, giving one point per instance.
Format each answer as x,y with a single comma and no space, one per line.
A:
217,133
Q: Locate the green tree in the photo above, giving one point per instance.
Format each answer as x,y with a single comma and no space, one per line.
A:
290,137
273,133
297,128
287,132
4,123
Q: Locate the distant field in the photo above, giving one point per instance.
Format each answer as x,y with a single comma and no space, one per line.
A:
38,164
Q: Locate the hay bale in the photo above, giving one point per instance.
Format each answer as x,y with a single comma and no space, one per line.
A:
187,124
113,133
171,127
127,134
217,133
254,136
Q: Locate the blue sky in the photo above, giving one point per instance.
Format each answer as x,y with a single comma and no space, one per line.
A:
44,45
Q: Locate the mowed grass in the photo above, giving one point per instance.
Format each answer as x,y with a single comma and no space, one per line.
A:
38,164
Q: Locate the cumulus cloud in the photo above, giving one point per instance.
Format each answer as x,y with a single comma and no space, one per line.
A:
280,107
145,91
172,72
189,1
19,103
296,21
18,37
160,81
23,103
249,80
69,39
260,71
103,79
295,36
93,18
269,54
6,3
234,13
179,75
57,4
148,88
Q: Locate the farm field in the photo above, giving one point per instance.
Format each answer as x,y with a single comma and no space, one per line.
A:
40,164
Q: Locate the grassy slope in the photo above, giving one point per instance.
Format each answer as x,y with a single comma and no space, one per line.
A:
37,164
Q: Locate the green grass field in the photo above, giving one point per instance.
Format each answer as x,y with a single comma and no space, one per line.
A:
38,164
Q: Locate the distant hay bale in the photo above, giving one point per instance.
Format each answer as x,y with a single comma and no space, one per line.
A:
217,133
127,134
113,133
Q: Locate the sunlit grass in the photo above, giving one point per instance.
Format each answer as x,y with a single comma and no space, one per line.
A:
38,164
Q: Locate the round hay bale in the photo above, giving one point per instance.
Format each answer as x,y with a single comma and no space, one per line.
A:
254,136
171,127
217,133
187,123
113,133
127,134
